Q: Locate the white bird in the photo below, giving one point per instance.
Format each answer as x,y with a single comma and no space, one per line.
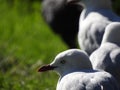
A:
94,18
76,73
107,56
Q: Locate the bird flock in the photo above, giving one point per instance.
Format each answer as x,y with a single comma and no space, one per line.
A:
97,65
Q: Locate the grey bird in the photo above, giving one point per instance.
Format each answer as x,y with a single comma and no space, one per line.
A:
96,15
76,73
107,56
63,19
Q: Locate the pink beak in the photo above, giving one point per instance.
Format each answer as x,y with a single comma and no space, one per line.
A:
46,68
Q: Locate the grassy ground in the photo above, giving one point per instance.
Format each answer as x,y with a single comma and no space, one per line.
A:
26,43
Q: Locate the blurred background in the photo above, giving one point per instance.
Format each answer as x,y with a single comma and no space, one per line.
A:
26,43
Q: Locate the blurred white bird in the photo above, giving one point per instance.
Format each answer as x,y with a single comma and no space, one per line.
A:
76,73
96,15
107,56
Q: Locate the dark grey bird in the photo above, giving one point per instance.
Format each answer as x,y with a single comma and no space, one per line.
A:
63,19
76,73
107,56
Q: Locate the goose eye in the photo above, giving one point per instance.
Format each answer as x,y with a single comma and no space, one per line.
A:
63,62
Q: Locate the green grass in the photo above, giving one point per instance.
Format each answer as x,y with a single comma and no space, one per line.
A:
26,43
